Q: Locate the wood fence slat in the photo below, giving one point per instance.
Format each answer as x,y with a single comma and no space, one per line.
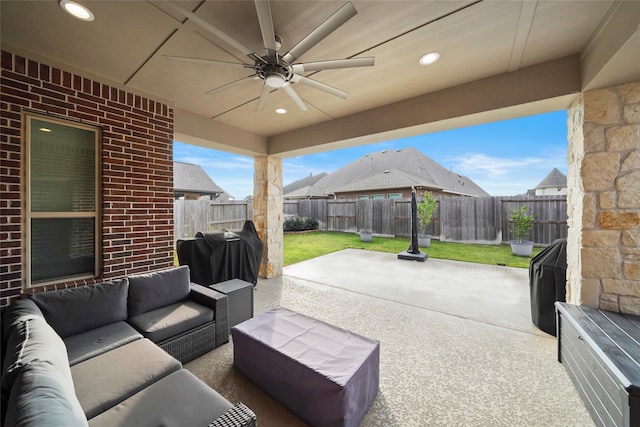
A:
457,219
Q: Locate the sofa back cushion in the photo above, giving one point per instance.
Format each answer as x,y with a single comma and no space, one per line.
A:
19,311
74,310
32,340
158,289
44,396
15,332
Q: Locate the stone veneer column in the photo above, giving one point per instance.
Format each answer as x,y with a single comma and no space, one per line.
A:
603,244
268,209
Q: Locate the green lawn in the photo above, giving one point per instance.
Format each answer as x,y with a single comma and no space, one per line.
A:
302,246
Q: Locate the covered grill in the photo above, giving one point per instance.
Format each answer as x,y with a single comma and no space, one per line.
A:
222,255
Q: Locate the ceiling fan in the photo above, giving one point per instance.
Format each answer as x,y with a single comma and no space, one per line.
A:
278,72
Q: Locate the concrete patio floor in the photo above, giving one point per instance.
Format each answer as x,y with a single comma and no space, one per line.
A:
489,294
457,344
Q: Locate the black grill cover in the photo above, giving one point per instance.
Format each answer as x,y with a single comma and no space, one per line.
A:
547,283
222,255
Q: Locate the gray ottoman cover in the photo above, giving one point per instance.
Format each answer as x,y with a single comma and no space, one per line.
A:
326,375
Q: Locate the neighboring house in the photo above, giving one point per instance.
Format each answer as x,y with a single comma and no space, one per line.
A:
300,189
554,184
390,174
191,182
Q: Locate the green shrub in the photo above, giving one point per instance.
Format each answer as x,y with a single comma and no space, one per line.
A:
521,223
300,224
310,223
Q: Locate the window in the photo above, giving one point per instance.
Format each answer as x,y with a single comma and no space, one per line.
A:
377,196
394,196
62,201
363,197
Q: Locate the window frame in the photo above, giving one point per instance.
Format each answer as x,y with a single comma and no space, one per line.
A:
28,215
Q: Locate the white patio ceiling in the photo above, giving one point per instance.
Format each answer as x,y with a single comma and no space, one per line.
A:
499,59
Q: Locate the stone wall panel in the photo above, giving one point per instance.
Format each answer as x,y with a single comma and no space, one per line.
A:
601,262
601,238
618,220
628,187
599,171
623,138
604,167
602,107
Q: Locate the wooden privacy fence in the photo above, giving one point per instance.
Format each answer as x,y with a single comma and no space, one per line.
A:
456,219
192,216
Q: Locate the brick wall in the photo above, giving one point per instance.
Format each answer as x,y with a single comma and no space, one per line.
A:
137,168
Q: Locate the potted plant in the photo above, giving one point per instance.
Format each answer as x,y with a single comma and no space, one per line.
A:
426,208
521,228
366,235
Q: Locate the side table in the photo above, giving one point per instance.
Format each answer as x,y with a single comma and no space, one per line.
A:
240,298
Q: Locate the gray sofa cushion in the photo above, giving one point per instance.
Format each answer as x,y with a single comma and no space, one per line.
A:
32,340
42,395
85,345
109,378
179,399
75,310
171,320
17,312
159,289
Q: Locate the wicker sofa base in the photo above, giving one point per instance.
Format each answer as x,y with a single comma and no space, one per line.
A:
239,415
192,343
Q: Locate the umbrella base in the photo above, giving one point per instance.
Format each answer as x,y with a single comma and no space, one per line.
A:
420,257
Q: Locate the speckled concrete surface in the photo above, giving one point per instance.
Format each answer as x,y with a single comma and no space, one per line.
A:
436,368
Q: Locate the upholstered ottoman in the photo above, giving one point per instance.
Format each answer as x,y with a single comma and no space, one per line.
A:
326,375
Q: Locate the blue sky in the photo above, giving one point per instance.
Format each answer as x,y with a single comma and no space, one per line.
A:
504,158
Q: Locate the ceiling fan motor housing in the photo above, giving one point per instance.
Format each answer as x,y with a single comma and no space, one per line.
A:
274,74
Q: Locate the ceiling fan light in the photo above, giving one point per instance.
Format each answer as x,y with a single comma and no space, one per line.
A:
76,10
275,81
429,58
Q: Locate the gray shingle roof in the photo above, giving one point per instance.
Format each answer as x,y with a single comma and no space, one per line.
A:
409,164
193,179
390,178
554,179
303,183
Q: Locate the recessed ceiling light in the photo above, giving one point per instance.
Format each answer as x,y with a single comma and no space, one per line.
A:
76,10
281,111
44,130
429,58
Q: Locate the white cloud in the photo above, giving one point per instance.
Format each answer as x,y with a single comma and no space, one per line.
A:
494,167
502,176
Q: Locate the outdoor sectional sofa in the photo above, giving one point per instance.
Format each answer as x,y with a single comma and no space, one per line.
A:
95,355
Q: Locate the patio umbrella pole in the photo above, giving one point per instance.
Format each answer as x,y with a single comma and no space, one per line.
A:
413,253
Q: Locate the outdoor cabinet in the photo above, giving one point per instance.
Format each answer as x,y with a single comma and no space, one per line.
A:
600,351
240,299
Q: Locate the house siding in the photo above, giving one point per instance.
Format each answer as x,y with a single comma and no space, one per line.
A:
137,168
406,193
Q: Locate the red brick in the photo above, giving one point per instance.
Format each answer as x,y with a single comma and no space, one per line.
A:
137,140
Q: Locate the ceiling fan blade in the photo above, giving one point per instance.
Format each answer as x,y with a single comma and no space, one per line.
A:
263,97
212,29
208,61
296,98
343,14
321,86
333,64
230,85
266,27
